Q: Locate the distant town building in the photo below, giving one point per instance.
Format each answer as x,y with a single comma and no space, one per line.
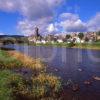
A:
60,38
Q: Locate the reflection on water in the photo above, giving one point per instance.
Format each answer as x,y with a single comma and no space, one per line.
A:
65,63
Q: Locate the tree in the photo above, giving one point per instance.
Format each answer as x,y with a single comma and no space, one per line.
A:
98,33
81,35
68,36
86,39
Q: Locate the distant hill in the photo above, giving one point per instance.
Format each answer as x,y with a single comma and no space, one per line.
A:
13,39
14,36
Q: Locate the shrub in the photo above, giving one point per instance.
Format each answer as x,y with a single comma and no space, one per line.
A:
71,44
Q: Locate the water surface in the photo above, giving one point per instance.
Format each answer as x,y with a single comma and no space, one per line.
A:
65,62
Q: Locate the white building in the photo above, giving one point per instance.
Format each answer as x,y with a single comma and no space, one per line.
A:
60,41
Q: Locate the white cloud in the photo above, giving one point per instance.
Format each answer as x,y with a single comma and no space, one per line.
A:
32,9
94,23
52,28
40,13
71,23
68,16
36,13
26,26
2,33
68,23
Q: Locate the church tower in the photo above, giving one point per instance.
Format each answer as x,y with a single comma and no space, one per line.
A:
37,32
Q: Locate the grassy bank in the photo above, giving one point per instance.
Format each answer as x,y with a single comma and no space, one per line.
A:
94,45
14,86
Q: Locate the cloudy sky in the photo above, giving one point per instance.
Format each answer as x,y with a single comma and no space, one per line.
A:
51,16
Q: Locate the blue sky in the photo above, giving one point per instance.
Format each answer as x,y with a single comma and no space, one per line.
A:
51,16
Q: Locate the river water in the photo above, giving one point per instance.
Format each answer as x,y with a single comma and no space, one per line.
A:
67,63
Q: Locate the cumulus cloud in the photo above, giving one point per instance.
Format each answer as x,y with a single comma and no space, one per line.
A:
2,33
27,26
68,23
94,23
40,13
71,23
52,28
36,13
32,9
69,16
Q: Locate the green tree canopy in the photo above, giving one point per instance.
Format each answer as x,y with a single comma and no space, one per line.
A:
98,33
68,36
81,35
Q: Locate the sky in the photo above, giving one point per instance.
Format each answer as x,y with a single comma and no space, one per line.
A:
20,17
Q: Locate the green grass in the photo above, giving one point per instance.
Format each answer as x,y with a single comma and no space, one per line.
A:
53,44
7,61
94,45
45,85
13,85
6,79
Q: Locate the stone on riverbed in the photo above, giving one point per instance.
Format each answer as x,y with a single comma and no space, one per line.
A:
87,82
56,70
75,87
80,70
96,78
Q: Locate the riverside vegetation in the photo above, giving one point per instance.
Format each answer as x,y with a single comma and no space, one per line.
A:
94,45
15,86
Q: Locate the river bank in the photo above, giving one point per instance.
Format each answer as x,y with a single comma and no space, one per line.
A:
74,66
23,77
92,46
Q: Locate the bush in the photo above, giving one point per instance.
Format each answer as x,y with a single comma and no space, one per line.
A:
71,44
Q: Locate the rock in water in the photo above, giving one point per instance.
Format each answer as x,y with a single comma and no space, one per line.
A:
56,70
96,78
75,87
80,70
87,82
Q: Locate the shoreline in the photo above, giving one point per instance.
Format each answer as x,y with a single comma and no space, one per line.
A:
81,46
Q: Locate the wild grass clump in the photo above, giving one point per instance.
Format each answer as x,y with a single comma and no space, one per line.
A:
10,83
13,86
45,85
28,62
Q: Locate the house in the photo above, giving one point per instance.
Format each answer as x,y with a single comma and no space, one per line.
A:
60,41
43,41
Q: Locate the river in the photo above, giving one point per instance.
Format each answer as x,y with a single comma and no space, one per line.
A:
76,65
